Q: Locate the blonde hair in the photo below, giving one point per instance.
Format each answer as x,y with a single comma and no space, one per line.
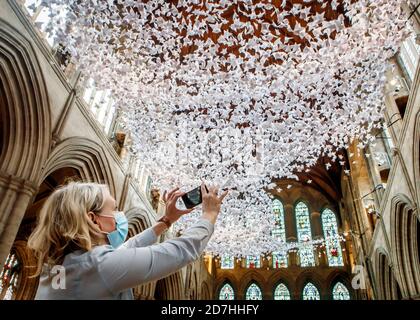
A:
64,225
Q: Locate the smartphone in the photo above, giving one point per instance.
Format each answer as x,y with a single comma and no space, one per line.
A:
193,198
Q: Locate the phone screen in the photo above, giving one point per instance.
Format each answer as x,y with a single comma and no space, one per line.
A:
192,198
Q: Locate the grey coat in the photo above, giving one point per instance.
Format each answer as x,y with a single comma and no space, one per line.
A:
107,273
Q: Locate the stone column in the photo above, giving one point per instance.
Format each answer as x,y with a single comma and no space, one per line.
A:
316,230
15,194
316,226
290,223
291,232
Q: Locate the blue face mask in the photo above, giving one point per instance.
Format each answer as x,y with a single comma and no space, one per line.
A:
116,238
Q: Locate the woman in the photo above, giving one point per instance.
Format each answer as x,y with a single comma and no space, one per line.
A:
79,243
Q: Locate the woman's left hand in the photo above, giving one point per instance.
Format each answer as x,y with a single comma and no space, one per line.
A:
172,212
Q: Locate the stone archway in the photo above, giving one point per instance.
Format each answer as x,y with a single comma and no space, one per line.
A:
73,159
26,130
84,155
233,284
138,220
303,279
170,288
339,277
387,286
205,292
405,246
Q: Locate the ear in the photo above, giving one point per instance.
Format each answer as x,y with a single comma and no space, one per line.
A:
92,217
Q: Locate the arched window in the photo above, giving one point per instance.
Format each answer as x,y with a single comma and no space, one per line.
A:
303,226
253,293
9,277
253,262
340,292
279,232
226,292
281,292
310,292
332,241
227,262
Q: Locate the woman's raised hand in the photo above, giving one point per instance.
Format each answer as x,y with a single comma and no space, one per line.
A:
211,202
172,212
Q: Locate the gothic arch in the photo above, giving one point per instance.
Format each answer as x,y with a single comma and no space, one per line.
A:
25,130
387,286
24,107
251,277
84,155
259,284
310,210
405,250
281,276
339,276
305,201
286,282
138,220
303,279
194,286
220,286
170,288
337,217
205,292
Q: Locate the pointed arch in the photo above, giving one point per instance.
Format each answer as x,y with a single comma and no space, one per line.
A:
281,292
340,292
170,288
339,276
84,155
253,292
226,291
310,292
404,244
138,220
205,292
25,130
387,285
24,108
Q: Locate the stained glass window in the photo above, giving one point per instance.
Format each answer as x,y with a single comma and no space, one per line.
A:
281,292
9,278
310,292
279,232
253,292
303,226
253,262
332,241
340,292
227,262
226,293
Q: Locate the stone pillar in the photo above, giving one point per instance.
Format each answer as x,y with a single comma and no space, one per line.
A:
290,223
316,226
16,195
291,232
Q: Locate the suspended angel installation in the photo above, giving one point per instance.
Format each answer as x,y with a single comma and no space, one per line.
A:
237,92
